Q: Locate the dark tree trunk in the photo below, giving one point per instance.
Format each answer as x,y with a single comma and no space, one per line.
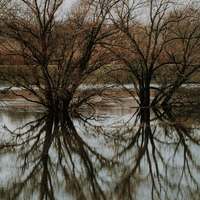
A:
144,94
60,101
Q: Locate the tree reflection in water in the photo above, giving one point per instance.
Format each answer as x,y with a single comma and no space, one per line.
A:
161,158
154,156
55,158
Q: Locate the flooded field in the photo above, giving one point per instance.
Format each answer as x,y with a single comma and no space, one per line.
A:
99,100
118,152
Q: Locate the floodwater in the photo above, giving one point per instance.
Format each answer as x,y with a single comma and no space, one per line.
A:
115,153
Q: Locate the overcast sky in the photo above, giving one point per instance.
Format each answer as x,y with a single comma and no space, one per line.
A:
69,3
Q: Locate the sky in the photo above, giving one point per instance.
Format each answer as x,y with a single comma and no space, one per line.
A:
67,4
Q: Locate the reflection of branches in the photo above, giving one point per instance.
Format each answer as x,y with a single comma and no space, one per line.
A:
185,137
156,155
54,153
151,155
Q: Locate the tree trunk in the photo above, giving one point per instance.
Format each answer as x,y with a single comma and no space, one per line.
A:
144,94
60,101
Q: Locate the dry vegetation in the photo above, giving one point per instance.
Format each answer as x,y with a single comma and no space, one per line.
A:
100,42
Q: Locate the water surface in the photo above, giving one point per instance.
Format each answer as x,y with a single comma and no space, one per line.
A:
118,152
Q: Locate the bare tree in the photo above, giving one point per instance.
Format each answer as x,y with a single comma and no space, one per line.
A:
183,50
61,53
149,43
